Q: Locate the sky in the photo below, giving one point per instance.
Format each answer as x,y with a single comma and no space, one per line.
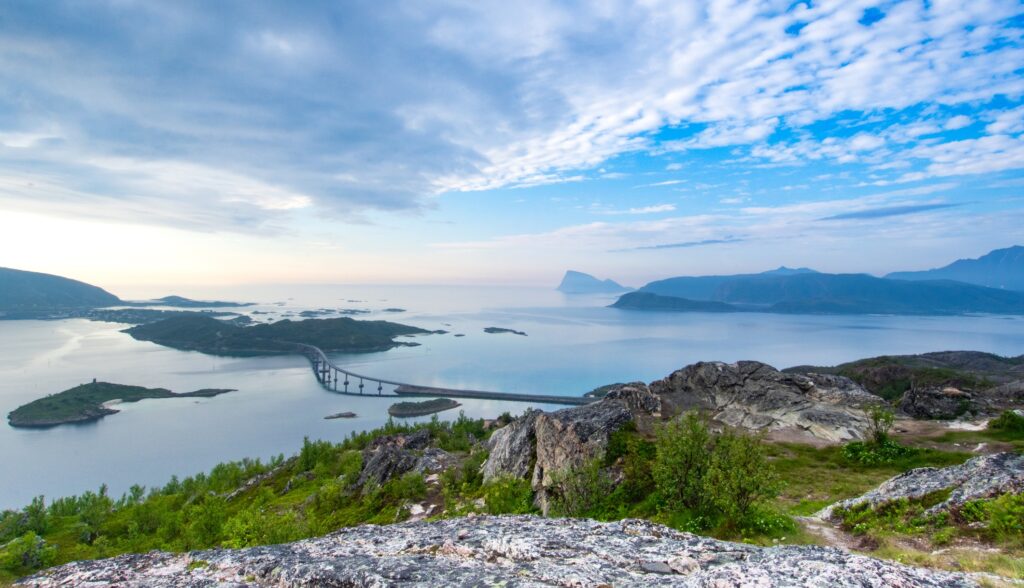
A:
479,142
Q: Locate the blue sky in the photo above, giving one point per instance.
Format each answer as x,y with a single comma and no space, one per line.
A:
496,142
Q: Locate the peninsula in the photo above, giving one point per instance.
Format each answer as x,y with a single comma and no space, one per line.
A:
215,337
90,402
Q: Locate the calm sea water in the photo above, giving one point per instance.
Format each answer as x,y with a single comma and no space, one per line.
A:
574,344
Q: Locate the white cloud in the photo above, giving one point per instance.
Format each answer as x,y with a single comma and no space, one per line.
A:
957,122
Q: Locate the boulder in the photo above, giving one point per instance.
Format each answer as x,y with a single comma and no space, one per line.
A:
756,396
939,402
570,438
391,456
511,448
981,477
496,551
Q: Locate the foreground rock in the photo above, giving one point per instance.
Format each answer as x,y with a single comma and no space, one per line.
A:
940,402
490,551
391,456
982,477
756,396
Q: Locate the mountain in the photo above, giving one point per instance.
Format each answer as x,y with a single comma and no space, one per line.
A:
816,293
23,291
706,287
581,283
648,301
1002,268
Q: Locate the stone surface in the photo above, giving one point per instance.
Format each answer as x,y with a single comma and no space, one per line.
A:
390,456
490,551
756,396
570,438
980,477
637,397
941,402
511,448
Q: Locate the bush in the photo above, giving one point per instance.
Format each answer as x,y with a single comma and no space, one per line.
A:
874,453
1009,422
1006,517
739,477
681,462
28,552
881,423
508,496
581,492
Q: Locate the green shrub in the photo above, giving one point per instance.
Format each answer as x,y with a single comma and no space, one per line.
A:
28,552
876,453
682,460
508,495
739,477
1009,422
881,423
1006,517
581,492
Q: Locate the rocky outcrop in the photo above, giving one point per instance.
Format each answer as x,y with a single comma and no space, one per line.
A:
492,551
637,397
756,396
511,448
390,456
939,402
568,439
977,478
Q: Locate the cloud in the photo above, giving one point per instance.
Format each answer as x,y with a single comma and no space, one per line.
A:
887,211
641,210
683,245
665,183
288,100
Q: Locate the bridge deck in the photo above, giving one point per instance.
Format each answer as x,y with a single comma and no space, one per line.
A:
327,374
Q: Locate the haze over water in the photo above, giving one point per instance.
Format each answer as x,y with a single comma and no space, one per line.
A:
574,344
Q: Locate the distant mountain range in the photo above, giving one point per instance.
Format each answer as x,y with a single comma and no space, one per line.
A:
32,291
1002,268
580,283
27,295
805,291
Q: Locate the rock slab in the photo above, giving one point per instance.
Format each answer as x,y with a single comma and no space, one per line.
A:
492,551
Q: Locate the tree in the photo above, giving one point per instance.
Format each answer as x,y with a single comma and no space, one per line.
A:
683,455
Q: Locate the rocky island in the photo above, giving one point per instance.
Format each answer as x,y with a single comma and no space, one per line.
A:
90,402
500,330
215,337
414,409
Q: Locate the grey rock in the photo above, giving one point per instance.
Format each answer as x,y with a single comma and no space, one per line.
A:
981,477
570,438
756,396
942,402
489,551
390,456
511,448
637,397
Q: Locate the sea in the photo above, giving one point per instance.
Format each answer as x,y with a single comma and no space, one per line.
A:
573,343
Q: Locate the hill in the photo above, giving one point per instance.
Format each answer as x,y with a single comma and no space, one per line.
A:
1002,268
816,293
22,291
580,283
216,337
706,287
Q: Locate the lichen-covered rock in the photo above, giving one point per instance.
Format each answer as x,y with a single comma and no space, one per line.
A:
756,396
981,477
570,438
939,402
492,551
390,456
637,397
511,448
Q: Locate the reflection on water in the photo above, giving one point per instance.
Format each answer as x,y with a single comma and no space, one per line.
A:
573,345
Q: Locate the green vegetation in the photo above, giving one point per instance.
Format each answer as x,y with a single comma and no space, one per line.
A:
84,403
880,449
1009,423
215,337
414,409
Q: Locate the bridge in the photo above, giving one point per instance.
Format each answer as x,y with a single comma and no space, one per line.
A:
343,381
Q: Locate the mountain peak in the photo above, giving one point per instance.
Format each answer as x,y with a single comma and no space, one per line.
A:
575,282
999,268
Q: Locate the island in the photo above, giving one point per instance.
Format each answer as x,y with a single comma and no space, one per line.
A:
498,330
341,415
414,409
182,302
216,337
90,402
